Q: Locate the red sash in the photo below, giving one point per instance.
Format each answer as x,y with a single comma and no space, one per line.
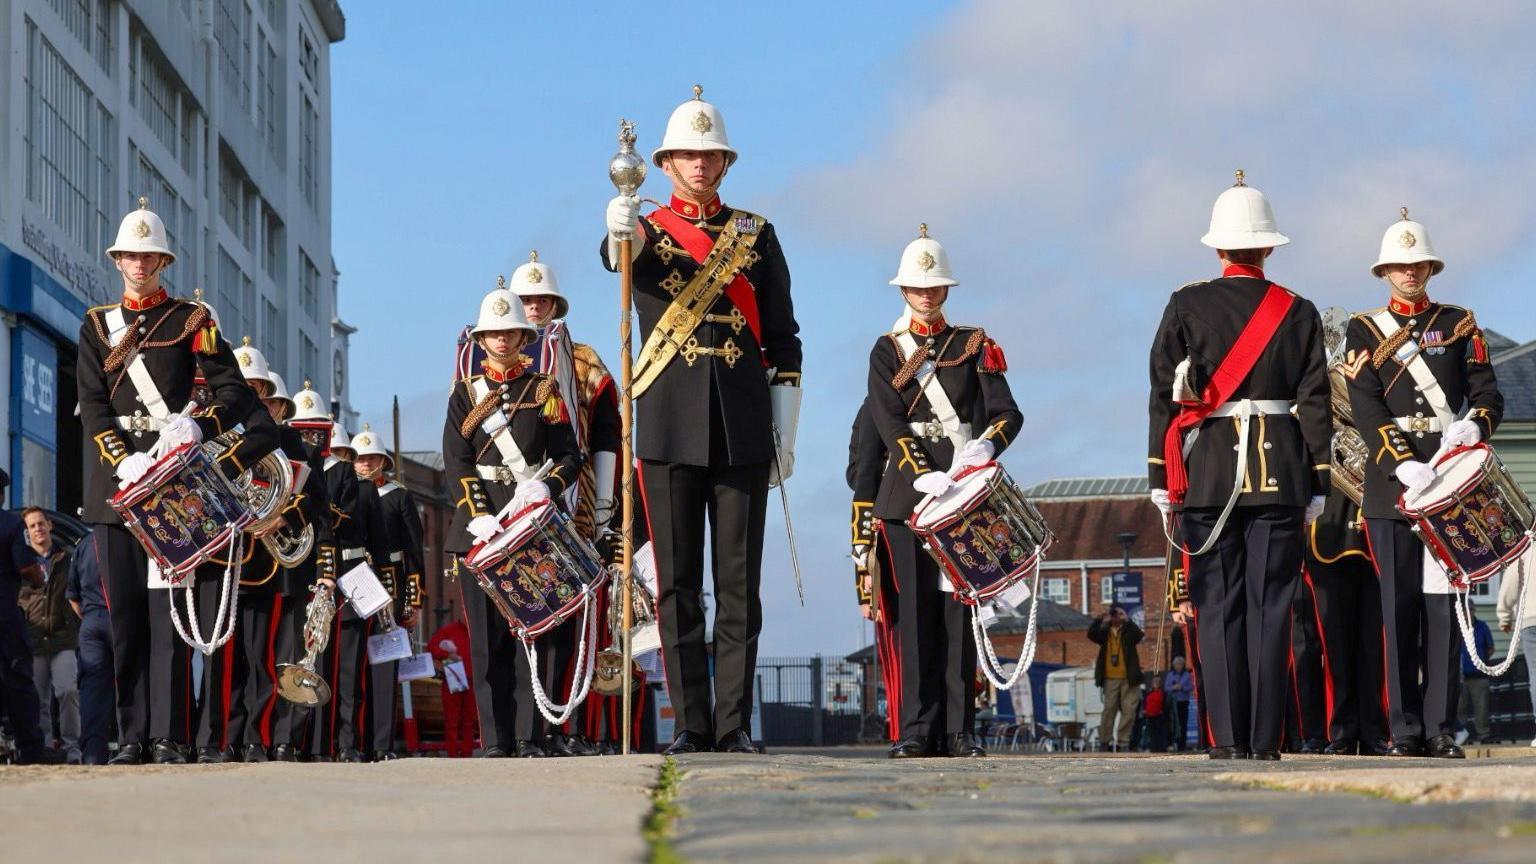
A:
697,243
1235,367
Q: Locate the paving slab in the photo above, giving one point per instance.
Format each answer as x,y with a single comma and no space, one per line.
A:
1076,808
1427,785
419,810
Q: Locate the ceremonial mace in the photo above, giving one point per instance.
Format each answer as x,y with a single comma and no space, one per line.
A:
627,171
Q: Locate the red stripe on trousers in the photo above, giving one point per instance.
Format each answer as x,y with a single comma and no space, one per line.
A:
264,727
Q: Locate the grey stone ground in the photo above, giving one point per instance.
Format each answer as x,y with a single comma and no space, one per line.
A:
1091,809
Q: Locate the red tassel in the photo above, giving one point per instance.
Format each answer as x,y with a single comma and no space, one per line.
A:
1479,349
992,359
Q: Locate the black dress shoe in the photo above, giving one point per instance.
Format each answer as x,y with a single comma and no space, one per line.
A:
1410,746
209,756
964,745
385,756
1374,748
1341,748
493,752
128,754
530,750
284,753
736,742
164,752
581,746
607,748
557,745
255,753
1266,755
1227,753
688,742
350,755
322,759
908,748
1312,746
1444,747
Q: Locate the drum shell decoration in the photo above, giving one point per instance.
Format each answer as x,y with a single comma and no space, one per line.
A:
537,570
182,511
1479,525
987,543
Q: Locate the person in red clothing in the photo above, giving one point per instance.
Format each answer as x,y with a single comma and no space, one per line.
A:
459,717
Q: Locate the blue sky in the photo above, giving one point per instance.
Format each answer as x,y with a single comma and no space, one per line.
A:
1066,154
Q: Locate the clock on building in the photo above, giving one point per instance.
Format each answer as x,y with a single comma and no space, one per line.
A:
339,375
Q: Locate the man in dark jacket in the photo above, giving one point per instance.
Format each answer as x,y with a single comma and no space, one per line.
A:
1117,672
18,697
52,626
95,652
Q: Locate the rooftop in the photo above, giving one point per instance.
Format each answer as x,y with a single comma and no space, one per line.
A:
1516,370
1081,488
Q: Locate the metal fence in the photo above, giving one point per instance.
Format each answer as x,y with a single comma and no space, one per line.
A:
815,701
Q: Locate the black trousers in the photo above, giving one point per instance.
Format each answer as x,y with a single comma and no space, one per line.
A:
1421,637
1306,714
151,665
733,500
290,721
937,647
502,678
18,694
381,697
1242,591
344,664
95,653
1349,606
240,698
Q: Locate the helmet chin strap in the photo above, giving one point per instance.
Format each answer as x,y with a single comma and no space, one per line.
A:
710,191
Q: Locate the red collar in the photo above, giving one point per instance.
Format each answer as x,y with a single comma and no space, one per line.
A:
1402,307
687,208
918,328
1242,270
149,302
519,366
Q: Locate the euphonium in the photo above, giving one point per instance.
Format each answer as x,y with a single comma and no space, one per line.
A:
267,487
299,683
1347,450
609,674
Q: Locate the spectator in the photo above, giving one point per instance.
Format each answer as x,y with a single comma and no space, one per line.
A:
18,696
53,629
1475,684
460,721
1117,672
95,653
1154,708
1509,595
1179,685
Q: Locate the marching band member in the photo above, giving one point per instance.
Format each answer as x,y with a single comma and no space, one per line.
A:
1338,565
137,360
867,458
717,403
502,424
938,397
1257,470
396,532
1413,365
588,387
1306,711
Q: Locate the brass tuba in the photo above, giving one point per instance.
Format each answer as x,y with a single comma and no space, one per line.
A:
608,675
299,683
1348,451
267,487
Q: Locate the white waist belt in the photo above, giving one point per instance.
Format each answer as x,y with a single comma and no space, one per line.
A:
396,557
934,430
140,423
502,474
353,554
1252,407
1419,425
1244,410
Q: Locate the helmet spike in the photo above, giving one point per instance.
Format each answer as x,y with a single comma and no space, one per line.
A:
245,341
1404,211
922,230
143,203
698,91
501,282
1240,175
308,385
533,257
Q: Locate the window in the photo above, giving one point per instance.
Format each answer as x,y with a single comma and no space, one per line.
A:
272,257
1106,589
231,191
90,21
157,95
237,299
1057,590
275,13
68,142
309,154
232,30
247,305
309,362
274,338
269,109
102,45
309,286
308,57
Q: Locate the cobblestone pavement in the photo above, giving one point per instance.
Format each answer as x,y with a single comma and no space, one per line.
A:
1097,809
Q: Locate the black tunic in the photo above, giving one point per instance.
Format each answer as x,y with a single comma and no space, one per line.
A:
671,425
866,462
401,523
1288,459
1381,389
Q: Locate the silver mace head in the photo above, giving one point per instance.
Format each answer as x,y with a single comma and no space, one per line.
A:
627,169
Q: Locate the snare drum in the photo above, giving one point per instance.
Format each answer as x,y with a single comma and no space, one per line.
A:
1473,518
183,511
537,570
982,533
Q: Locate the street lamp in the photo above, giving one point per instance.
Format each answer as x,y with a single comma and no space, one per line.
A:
1127,539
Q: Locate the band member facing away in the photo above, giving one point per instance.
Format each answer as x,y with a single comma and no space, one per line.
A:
874,579
717,403
938,397
503,423
592,396
1230,361
1414,367
395,532
137,361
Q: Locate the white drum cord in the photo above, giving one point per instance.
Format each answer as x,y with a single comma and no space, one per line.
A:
229,603
1464,619
586,661
987,654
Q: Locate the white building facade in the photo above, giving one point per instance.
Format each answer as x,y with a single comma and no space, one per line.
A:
216,111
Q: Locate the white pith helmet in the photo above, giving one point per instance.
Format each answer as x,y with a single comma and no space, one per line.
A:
141,231
924,264
695,125
535,279
501,310
253,364
368,443
341,442
308,405
1407,242
1243,219
280,391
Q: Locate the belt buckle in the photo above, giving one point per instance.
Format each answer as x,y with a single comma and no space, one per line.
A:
1419,424
139,423
933,430
504,474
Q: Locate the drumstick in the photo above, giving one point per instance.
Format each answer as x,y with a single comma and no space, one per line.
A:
540,474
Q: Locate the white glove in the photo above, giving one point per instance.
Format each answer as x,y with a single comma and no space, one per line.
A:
448,646
182,430
1315,508
1462,433
602,511
860,552
623,220
787,460
933,483
483,528
1163,502
976,452
529,492
132,468
1415,475
786,420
